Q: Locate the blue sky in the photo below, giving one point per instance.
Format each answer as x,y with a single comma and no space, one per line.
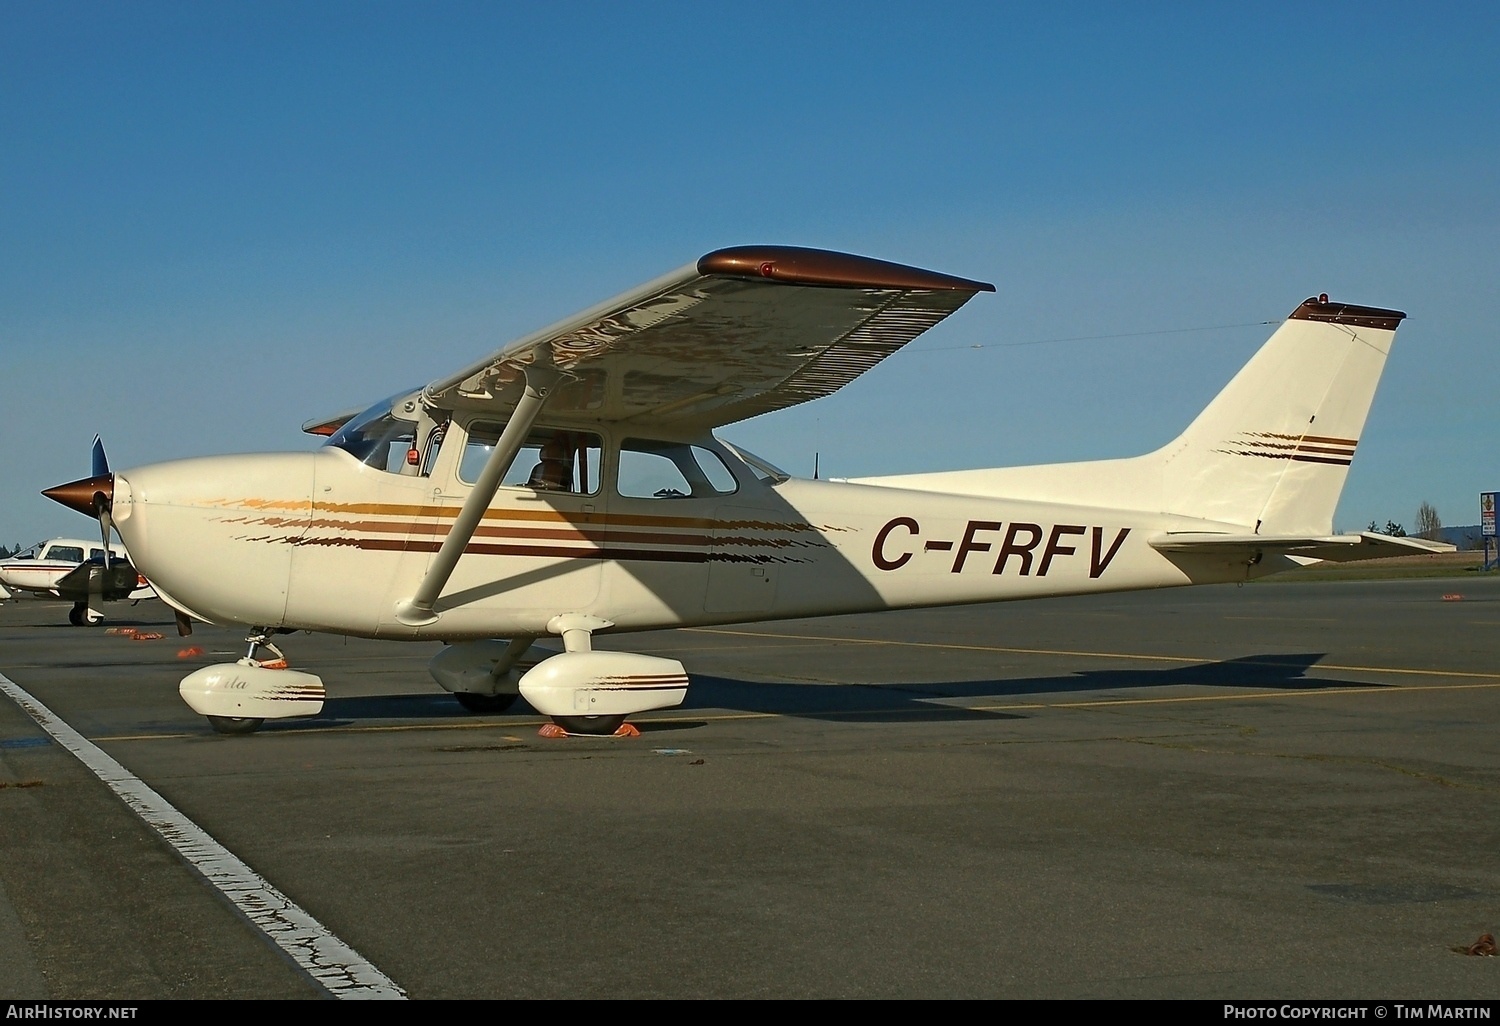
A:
220,220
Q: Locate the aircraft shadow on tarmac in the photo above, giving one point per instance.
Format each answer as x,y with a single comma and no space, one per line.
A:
895,700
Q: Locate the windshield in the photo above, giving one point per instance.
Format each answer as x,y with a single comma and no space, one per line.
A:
378,436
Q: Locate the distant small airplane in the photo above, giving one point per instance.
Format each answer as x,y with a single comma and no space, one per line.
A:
423,518
70,568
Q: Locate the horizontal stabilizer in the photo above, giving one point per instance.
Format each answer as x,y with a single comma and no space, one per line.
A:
1338,548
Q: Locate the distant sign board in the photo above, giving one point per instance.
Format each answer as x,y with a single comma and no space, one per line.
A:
1487,514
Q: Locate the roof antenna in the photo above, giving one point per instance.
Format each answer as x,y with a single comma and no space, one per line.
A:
815,466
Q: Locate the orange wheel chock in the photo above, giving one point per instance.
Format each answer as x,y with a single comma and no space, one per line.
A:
552,730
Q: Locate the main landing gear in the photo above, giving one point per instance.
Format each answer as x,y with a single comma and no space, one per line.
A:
485,703
581,690
597,726
81,615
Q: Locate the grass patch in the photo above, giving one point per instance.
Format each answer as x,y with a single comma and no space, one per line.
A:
1399,568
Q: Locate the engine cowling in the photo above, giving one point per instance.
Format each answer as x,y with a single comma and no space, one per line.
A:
603,684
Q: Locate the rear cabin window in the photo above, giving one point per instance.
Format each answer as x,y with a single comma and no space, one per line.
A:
651,469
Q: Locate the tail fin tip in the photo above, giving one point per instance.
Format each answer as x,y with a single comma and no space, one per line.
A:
1318,308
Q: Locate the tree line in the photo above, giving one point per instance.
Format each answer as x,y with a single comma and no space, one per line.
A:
1429,525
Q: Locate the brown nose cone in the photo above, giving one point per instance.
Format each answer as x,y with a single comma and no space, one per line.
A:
80,495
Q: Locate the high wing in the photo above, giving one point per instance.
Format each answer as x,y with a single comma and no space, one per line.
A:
1338,548
741,332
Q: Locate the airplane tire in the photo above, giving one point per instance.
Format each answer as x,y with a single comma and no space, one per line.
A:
235,724
75,616
485,703
598,725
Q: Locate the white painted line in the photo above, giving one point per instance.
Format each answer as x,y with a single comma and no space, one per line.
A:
334,964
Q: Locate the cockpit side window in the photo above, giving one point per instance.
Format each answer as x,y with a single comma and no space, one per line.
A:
550,460
652,469
72,553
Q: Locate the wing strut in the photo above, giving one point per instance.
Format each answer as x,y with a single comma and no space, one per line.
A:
417,611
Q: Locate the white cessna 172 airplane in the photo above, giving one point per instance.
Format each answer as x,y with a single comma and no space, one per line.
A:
571,483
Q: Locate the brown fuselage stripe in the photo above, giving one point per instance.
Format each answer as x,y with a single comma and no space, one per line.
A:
543,551
1296,457
1342,450
1350,442
596,538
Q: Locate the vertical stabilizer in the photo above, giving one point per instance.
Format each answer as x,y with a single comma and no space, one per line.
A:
1273,448
1269,454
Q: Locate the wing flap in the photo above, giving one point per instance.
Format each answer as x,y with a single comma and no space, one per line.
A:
1338,548
742,332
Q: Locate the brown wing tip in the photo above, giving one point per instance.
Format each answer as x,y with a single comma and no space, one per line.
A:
797,265
79,495
1318,308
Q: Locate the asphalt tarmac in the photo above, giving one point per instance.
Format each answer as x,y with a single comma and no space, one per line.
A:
1286,790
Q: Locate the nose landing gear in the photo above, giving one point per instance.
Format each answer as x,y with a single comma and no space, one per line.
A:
238,697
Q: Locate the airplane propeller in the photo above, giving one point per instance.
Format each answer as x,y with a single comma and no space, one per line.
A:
100,461
92,496
103,504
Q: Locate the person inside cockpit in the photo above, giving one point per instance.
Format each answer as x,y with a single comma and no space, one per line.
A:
555,471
